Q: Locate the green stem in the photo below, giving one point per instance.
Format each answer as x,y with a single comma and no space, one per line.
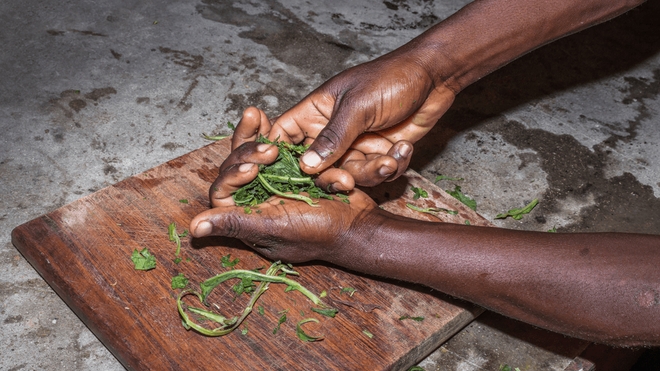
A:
269,187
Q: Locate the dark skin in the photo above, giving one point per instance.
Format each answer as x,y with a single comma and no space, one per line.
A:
603,287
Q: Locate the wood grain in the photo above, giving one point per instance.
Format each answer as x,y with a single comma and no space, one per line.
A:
83,251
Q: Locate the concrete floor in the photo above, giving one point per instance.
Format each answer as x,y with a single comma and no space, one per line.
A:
93,92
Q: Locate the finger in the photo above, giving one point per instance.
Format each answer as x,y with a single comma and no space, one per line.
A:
230,180
253,152
253,123
335,180
368,171
335,138
224,221
305,120
401,152
417,125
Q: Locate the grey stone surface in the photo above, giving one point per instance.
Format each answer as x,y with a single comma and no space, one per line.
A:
93,92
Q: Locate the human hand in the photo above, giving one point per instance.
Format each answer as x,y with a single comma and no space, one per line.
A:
367,118
289,230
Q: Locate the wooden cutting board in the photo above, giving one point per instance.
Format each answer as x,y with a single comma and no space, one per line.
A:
83,251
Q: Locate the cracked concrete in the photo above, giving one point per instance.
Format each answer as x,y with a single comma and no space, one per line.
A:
94,92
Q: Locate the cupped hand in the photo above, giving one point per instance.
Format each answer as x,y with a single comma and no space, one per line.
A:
366,119
289,230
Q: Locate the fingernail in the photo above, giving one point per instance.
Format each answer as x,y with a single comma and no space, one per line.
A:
203,229
263,147
385,171
311,159
404,150
244,168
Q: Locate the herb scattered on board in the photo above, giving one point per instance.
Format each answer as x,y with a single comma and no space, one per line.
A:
416,368
302,335
143,260
553,230
506,367
280,321
457,194
347,290
226,261
368,334
431,210
517,214
283,178
179,281
183,201
404,317
328,312
419,193
176,237
222,325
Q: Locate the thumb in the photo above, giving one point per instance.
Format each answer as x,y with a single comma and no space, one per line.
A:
219,221
333,140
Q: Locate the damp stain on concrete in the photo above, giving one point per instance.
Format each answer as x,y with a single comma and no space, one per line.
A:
288,38
621,204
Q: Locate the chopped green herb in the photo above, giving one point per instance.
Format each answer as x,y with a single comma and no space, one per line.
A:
229,325
553,230
176,237
183,201
419,193
302,335
279,323
260,310
517,214
457,194
177,260
344,198
283,178
431,210
418,319
226,261
368,334
214,137
231,126
348,290
143,260
247,210
328,312
323,294
244,286
467,222
179,281
416,368
444,177
244,331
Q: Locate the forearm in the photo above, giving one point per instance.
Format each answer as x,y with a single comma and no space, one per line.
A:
487,34
601,287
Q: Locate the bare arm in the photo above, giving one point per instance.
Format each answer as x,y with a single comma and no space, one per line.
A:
359,116
602,287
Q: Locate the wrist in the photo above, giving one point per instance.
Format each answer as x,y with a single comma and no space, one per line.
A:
487,34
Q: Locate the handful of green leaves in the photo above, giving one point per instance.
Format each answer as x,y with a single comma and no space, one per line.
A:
283,178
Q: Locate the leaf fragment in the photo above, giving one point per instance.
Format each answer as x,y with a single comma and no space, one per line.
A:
417,319
419,193
467,201
347,290
143,260
226,261
302,335
517,214
328,312
179,281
